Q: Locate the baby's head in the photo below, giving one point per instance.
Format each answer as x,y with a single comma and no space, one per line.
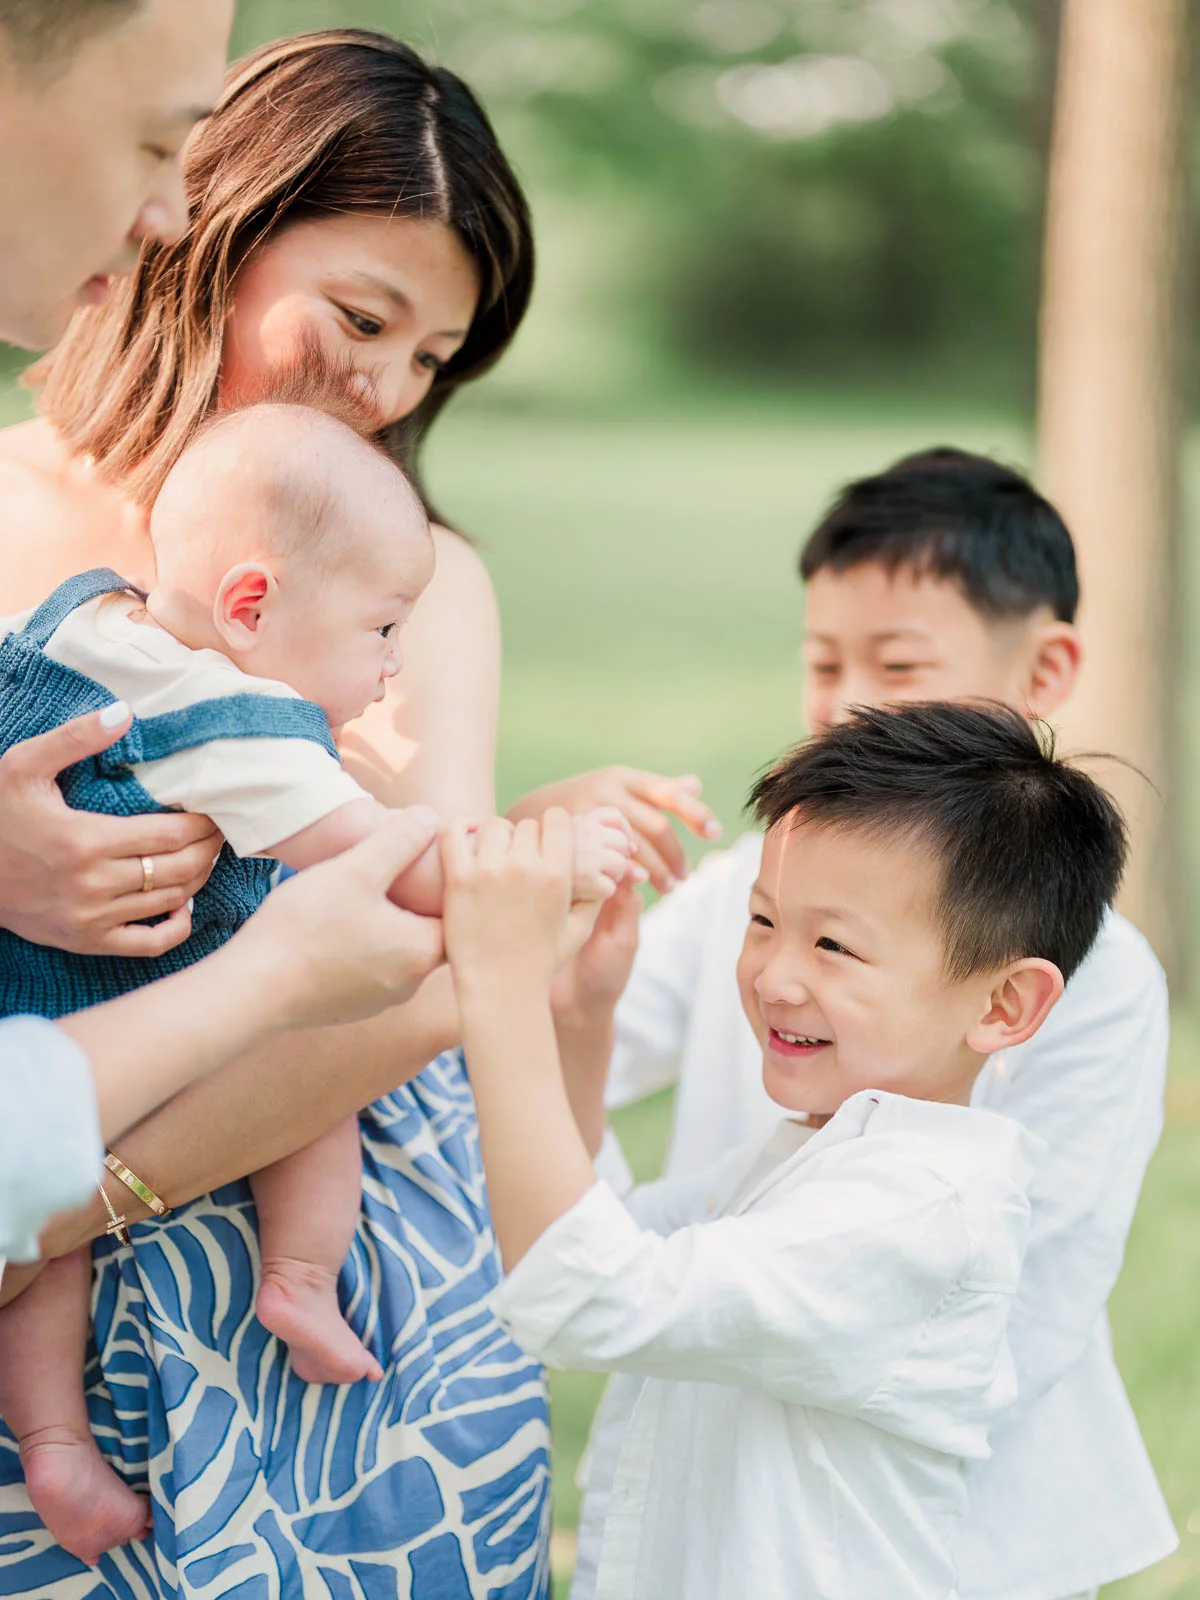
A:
285,539
947,577
930,878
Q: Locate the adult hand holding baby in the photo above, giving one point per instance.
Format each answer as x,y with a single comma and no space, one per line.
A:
74,880
339,948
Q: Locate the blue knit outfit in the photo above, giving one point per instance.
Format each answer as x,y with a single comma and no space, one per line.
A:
38,693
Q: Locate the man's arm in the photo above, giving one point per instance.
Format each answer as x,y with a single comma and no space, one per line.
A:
325,947
264,1105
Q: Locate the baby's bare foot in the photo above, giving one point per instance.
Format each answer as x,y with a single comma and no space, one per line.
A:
78,1496
298,1302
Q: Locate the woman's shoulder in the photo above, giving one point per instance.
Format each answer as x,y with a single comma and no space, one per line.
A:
59,519
459,563
461,593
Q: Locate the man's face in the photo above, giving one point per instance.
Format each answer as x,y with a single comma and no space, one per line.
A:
89,157
842,973
874,637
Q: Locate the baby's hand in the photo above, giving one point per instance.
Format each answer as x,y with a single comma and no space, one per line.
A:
604,851
508,892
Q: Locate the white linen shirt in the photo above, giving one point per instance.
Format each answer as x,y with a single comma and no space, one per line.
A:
258,791
50,1146
820,1352
1068,1500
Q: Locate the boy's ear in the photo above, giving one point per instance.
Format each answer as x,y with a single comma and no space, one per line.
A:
1054,668
245,593
1020,1002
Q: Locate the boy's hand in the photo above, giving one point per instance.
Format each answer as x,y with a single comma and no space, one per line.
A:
508,892
647,800
587,988
604,849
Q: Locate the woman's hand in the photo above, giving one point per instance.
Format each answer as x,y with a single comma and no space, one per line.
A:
587,987
647,800
508,892
74,880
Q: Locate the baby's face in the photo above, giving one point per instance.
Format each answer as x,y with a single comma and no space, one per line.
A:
334,638
842,974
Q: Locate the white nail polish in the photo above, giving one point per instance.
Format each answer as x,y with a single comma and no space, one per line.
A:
114,715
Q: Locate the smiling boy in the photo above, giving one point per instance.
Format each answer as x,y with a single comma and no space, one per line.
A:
949,577
809,1338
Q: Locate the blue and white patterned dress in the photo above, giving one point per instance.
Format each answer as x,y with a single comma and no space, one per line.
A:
431,1485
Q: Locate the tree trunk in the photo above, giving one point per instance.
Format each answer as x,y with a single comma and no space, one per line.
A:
1109,412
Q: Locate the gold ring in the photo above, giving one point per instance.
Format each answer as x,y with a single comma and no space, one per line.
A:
147,874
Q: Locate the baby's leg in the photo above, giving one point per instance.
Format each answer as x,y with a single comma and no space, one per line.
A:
43,1341
308,1207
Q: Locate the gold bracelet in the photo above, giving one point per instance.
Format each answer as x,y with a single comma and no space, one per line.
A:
117,1224
131,1181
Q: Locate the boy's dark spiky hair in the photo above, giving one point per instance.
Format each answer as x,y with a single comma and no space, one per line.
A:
957,516
1030,849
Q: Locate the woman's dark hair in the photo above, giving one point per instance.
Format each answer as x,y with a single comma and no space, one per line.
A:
1029,848
957,516
325,124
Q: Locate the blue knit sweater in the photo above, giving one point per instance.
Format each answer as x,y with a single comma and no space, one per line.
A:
38,693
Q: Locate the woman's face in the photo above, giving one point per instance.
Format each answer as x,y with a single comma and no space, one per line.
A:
395,295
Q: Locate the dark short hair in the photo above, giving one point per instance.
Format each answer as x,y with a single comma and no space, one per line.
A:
1031,849
956,516
44,32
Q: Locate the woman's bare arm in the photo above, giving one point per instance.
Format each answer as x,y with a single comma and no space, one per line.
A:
432,741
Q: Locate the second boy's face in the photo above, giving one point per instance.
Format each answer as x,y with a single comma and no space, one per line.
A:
873,637
842,973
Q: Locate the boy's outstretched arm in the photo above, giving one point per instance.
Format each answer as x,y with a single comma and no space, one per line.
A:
508,891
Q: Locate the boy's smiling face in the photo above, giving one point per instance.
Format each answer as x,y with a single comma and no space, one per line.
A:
876,637
843,974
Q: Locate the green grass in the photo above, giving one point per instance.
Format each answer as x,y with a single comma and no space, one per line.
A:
645,568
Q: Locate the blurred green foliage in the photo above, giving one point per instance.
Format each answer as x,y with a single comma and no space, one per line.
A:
757,190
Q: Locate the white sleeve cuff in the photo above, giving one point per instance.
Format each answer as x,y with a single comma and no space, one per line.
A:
559,1273
50,1145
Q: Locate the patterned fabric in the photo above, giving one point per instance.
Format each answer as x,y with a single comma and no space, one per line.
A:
38,693
432,1485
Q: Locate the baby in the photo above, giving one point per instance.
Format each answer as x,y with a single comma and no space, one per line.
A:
290,551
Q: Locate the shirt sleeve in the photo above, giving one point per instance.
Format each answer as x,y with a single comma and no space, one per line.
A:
652,1016
50,1146
257,791
815,1300
1090,1083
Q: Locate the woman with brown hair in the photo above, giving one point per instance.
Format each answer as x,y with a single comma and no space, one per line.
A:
343,192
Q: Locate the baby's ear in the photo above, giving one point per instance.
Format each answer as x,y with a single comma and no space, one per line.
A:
1021,1000
245,593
